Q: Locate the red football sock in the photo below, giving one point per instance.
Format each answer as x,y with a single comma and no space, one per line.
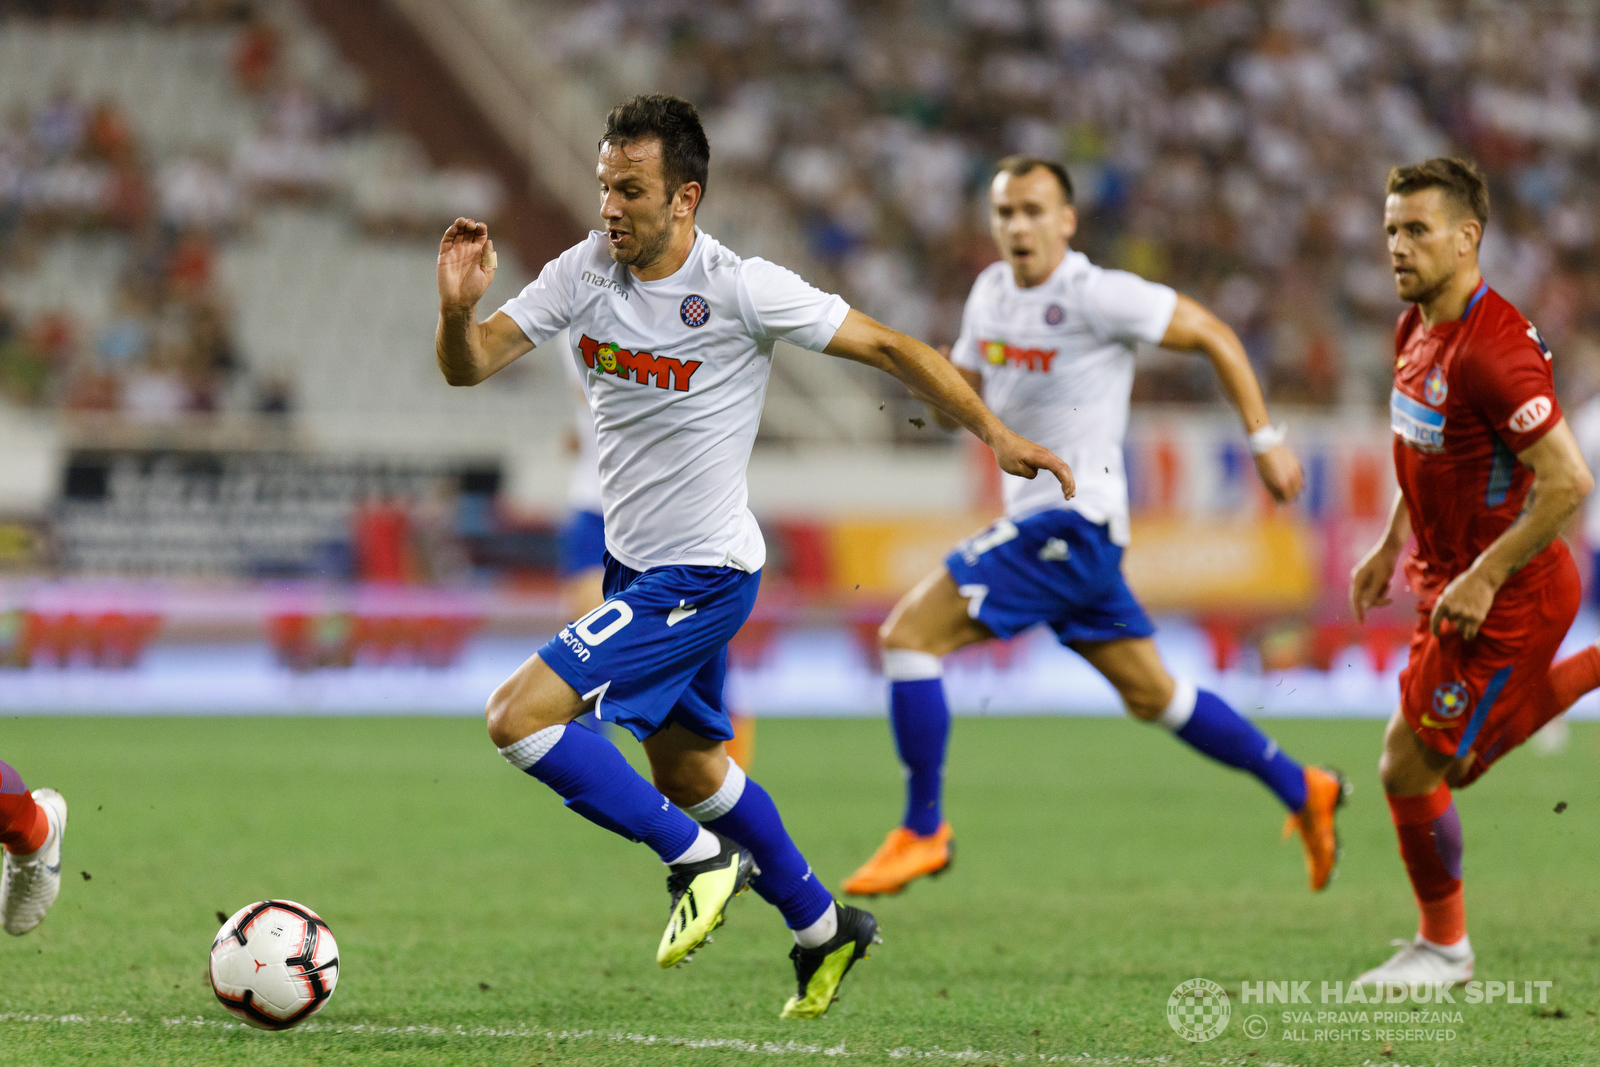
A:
1573,677
1431,846
23,824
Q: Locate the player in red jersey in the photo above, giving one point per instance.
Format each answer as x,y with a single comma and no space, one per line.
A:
1489,473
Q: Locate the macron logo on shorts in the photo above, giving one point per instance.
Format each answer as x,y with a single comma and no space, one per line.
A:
681,612
1530,415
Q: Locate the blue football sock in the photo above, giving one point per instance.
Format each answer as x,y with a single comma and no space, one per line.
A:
743,811
1206,722
598,783
921,723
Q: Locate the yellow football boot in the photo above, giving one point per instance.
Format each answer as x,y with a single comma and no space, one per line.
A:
818,971
700,895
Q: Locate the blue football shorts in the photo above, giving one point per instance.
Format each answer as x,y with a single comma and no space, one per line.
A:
656,652
583,543
1055,567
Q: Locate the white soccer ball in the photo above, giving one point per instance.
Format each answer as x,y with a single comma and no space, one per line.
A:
274,964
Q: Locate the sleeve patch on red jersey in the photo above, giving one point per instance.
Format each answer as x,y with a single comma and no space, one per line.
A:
1530,415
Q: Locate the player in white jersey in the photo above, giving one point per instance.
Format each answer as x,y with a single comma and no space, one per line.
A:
1048,339
583,550
675,335
583,531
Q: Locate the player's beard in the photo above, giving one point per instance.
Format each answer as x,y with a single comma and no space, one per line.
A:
1424,292
648,249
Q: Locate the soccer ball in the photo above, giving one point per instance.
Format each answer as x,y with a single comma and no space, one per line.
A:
274,964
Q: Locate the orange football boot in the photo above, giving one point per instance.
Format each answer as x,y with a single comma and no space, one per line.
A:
1325,792
903,857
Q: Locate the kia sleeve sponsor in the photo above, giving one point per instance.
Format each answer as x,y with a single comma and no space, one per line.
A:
1512,385
1531,415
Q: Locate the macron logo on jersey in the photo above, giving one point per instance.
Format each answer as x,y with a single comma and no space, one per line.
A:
607,358
999,354
1530,415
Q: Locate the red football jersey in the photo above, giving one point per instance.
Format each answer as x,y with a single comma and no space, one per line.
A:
1468,396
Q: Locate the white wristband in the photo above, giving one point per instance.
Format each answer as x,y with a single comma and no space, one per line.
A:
1267,438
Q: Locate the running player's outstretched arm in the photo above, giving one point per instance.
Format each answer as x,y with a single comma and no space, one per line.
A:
468,350
1193,327
1560,482
1369,581
933,380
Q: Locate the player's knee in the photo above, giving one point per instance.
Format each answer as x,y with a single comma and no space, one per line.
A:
900,634
1146,698
1143,706
501,715
685,784
1395,775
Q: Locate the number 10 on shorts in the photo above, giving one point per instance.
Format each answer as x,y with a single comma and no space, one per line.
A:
594,628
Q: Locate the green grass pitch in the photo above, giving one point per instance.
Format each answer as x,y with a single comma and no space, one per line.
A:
1100,864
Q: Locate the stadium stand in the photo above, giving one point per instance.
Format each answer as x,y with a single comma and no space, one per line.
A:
1235,150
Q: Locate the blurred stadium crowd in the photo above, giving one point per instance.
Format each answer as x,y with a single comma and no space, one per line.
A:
118,197
1233,149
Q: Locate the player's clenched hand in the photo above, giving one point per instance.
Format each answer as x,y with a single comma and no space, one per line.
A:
1369,581
465,263
1020,456
1280,473
1464,604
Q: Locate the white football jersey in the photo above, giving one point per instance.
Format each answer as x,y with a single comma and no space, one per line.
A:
676,371
583,488
1057,365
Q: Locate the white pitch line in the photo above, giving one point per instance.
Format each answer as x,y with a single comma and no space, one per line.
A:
623,1037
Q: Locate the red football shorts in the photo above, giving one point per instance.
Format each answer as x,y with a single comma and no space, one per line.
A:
1488,695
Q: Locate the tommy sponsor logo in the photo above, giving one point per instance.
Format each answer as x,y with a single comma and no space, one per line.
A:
605,283
603,357
999,354
1530,415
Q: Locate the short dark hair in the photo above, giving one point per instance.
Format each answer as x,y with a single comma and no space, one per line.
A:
1018,166
1460,179
671,120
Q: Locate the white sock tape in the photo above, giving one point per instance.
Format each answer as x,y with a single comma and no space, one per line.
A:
1176,715
525,753
722,801
905,665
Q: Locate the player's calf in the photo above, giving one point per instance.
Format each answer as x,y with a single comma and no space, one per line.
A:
743,811
1205,722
